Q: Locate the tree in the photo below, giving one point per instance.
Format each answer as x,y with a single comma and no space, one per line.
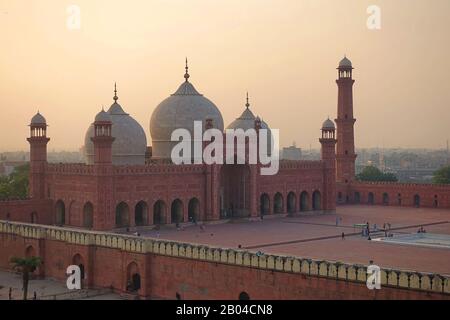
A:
442,176
16,184
371,173
26,266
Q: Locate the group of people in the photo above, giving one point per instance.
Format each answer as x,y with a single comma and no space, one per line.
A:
421,230
366,231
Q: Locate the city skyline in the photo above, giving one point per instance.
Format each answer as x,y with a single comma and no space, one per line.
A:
289,73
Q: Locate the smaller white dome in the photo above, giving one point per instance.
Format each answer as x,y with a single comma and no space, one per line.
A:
328,124
38,119
103,116
345,63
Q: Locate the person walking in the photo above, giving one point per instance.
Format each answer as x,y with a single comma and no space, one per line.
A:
343,236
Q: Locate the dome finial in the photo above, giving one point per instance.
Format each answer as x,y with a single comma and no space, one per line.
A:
186,75
248,103
115,92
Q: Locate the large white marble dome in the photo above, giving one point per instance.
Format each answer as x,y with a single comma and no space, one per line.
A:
130,143
180,110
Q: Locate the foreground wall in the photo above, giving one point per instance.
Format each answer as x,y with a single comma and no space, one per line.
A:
168,269
395,194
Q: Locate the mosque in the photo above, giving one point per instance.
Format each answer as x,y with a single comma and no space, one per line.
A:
124,183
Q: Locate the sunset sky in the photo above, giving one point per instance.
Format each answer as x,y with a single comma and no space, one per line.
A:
284,52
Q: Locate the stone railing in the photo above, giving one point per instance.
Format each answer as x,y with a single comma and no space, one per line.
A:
328,269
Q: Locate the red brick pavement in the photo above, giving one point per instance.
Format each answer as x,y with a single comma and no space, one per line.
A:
354,249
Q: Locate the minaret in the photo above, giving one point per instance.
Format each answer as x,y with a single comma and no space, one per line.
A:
103,139
38,156
104,218
328,156
345,154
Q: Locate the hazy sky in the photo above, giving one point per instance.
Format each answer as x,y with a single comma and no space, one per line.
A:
284,52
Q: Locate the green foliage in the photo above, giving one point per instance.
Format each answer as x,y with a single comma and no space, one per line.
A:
28,264
16,184
371,173
442,176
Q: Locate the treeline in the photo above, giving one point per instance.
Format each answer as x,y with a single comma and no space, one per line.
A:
371,173
15,186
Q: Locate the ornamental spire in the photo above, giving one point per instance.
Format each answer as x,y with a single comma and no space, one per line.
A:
186,75
115,92
248,103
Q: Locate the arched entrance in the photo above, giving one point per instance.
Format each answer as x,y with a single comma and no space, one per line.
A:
159,212
304,203
235,190
264,204
88,215
278,203
317,200
176,211
79,261
122,215
194,210
291,202
357,197
371,198
417,201
133,278
244,296
141,214
385,199
30,252
34,217
60,213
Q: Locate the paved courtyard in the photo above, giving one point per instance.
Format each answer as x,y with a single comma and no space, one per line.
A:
318,237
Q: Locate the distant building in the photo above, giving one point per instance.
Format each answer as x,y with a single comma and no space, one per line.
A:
7,167
291,153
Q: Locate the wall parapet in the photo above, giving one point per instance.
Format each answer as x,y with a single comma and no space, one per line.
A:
159,169
70,168
400,184
404,279
301,164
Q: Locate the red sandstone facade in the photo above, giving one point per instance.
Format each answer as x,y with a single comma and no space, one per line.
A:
104,196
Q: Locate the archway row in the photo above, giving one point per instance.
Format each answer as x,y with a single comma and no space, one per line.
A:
278,206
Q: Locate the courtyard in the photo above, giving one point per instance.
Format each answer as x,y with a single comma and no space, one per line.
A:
318,236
